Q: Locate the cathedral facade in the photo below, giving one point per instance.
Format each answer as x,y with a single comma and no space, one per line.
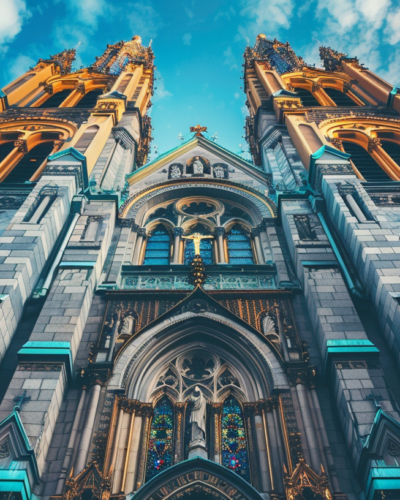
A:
198,325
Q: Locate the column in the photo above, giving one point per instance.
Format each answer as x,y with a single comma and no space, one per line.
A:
147,413
255,233
71,443
308,427
179,410
220,242
141,235
178,231
215,441
263,457
87,431
249,410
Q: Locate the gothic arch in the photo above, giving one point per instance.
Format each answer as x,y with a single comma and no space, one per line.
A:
198,476
371,135
138,204
26,135
141,361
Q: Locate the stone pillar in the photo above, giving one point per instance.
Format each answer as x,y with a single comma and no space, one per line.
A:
216,413
249,410
179,411
262,447
84,445
71,443
147,413
309,427
178,231
255,233
221,248
141,235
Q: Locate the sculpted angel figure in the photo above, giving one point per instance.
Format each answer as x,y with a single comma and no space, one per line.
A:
198,415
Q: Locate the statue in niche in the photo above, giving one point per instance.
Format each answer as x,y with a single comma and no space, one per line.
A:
219,172
198,167
269,329
198,415
127,328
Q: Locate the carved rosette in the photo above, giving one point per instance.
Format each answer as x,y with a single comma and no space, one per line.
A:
22,145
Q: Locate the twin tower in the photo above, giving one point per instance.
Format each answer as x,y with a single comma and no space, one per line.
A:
200,326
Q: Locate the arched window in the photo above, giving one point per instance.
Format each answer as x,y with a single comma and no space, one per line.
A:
89,100
124,83
29,163
392,149
160,451
365,164
86,138
233,439
158,248
56,99
307,98
341,99
206,247
239,246
5,149
20,82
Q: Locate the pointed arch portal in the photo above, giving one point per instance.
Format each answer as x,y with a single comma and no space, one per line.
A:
195,479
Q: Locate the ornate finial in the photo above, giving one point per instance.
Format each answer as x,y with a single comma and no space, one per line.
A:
63,61
197,271
330,58
198,129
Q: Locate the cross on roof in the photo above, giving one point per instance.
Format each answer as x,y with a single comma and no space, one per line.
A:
198,129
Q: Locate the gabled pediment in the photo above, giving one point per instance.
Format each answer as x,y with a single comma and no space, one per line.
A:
16,453
209,153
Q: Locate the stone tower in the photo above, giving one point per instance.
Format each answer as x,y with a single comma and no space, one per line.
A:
199,326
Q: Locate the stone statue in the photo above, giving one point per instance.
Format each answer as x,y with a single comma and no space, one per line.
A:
198,415
197,237
219,172
198,167
127,326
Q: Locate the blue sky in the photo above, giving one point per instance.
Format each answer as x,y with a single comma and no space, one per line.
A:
199,46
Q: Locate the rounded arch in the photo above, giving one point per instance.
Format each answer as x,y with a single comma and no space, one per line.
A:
367,135
191,223
137,205
229,224
198,475
145,357
151,225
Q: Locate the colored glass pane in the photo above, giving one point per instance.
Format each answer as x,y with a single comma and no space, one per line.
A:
160,450
239,247
158,248
234,447
206,251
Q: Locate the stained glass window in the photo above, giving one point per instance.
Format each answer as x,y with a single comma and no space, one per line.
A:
239,247
206,250
234,447
158,247
160,451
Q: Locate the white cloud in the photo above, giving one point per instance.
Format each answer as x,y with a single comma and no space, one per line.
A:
88,12
187,39
13,15
19,66
230,59
267,16
144,20
189,13
160,92
392,30
236,95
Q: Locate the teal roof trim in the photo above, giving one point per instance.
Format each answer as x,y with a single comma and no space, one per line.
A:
285,93
391,96
70,151
329,149
185,143
47,351
318,154
15,481
349,349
